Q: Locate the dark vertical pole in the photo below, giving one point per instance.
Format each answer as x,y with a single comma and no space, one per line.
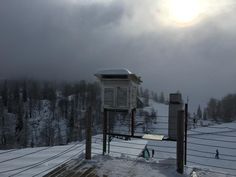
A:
88,134
104,131
186,135
180,142
108,126
109,146
132,121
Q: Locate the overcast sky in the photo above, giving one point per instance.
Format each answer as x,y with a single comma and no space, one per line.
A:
72,39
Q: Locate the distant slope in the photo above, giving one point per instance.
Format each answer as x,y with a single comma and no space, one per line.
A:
40,161
202,145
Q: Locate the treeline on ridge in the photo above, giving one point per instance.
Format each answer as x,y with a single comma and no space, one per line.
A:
39,113
222,110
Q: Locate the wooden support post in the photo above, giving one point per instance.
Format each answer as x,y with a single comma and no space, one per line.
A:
104,132
174,106
108,131
88,134
186,134
180,142
109,143
132,122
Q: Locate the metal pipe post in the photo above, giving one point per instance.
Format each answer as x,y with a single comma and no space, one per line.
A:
180,142
88,134
132,121
186,134
104,131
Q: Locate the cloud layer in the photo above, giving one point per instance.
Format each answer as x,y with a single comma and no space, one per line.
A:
72,39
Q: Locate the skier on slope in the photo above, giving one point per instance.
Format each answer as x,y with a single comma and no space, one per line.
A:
217,154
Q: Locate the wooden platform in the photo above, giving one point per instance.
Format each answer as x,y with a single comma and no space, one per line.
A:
153,137
73,169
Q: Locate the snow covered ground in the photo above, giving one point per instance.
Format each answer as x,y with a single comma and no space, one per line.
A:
201,147
40,161
125,167
36,161
120,148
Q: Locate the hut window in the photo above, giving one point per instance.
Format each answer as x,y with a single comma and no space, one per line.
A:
122,97
109,97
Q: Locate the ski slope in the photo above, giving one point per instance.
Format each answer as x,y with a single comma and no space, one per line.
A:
36,161
201,147
202,143
39,161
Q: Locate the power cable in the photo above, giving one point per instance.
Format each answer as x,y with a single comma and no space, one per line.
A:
49,159
208,145
194,150
63,162
41,162
213,140
214,166
18,157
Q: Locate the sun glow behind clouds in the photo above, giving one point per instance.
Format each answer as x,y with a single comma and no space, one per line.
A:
182,12
89,1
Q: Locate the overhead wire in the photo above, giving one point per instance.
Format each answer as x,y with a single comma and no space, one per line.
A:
58,165
230,160
191,136
218,140
208,145
207,152
214,166
43,161
18,157
49,159
8,151
215,172
214,133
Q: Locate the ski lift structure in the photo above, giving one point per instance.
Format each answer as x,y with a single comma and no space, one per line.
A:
119,89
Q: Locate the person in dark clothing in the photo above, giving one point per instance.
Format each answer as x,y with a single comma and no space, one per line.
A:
3,140
146,153
217,154
153,152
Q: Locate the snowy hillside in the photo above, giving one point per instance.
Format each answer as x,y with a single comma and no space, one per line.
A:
39,161
201,148
42,113
36,161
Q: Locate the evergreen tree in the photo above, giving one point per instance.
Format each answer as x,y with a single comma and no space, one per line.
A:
146,97
199,112
205,114
19,123
24,92
212,109
35,95
71,121
223,109
16,93
10,103
52,98
162,98
5,93
141,92
2,124
25,130
229,107
24,98
155,97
